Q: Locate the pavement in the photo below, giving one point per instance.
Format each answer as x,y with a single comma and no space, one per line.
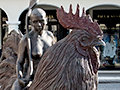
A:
109,86
109,80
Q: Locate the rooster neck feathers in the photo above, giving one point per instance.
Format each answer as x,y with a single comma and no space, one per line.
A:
74,39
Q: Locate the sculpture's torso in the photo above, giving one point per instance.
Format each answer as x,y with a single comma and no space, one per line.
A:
39,44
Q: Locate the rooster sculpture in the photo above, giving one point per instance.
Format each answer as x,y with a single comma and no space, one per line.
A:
8,59
72,63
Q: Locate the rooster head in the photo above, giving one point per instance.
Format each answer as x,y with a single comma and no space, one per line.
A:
86,33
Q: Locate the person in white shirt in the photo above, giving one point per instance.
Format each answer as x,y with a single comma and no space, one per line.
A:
109,52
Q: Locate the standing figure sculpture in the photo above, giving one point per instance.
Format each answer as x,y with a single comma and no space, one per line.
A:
71,63
40,41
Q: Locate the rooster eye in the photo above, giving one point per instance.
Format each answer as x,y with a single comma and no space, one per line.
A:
84,38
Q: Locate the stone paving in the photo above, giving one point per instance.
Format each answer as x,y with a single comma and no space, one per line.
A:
109,86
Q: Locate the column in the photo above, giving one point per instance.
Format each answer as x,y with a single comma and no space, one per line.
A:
0,32
12,25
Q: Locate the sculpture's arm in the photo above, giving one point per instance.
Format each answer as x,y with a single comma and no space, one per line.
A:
52,36
53,42
21,58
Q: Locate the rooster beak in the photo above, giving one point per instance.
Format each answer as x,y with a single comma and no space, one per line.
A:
99,43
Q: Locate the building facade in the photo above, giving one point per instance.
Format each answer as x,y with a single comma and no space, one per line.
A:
106,12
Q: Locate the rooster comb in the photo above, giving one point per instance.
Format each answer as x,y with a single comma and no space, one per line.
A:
73,21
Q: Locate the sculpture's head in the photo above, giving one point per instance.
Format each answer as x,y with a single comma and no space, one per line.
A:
38,19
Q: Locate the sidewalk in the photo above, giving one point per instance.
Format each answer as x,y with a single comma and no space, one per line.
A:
109,86
109,80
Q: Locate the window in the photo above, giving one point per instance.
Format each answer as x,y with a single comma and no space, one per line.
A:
109,21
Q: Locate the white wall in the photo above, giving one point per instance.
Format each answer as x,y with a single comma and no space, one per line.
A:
14,8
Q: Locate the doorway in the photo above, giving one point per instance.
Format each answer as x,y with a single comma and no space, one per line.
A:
108,17
3,28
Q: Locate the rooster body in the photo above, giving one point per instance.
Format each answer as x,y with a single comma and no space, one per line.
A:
70,64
